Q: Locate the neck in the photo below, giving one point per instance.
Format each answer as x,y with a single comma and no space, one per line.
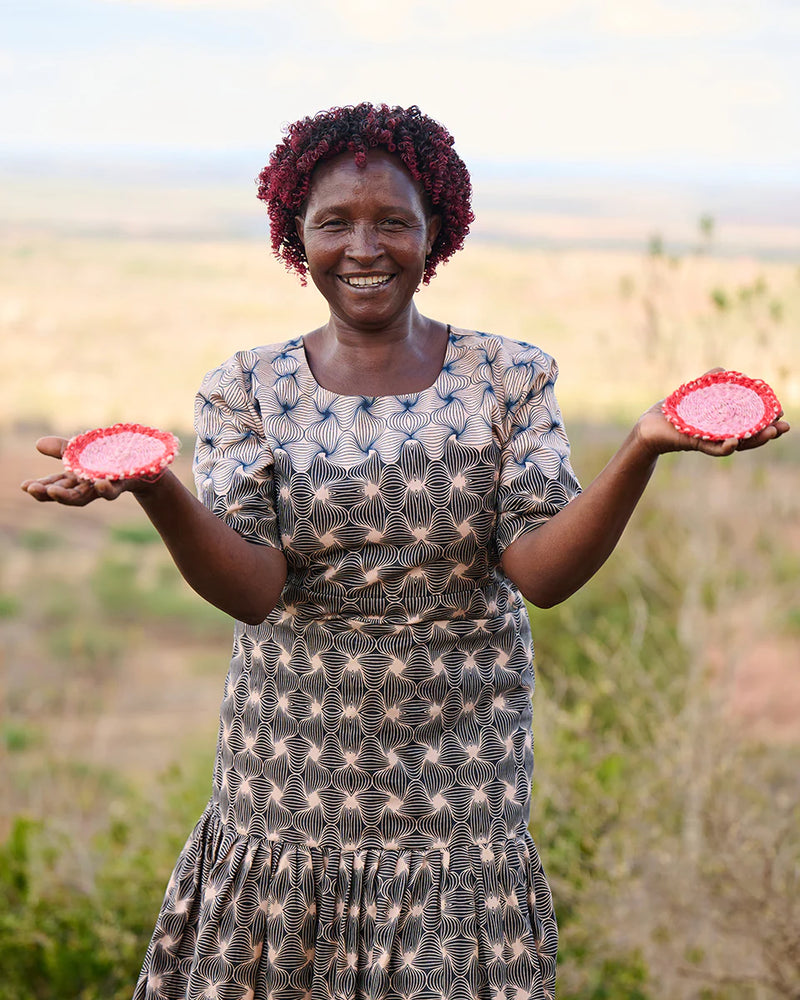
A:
398,358
401,333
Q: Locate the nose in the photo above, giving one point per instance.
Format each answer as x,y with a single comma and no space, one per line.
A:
365,245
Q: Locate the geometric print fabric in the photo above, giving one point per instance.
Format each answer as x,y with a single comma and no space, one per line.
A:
367,831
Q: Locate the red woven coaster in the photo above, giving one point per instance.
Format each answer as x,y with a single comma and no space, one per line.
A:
722,405
124,451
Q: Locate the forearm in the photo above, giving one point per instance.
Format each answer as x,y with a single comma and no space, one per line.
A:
552,562
242,579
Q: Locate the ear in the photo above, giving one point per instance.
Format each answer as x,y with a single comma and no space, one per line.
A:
299,227
434,226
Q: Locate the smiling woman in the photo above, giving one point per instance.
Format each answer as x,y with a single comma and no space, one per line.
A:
368,201
367,236
375,498
417,142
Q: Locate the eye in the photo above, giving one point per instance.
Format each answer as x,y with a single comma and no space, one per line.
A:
334,224
394,223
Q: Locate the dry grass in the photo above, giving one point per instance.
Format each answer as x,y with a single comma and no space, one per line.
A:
93,331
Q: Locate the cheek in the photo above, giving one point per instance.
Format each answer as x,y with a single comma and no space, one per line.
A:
320,253
412,253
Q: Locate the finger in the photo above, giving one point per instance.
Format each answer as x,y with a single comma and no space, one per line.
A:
63,478
72,496
53,492
38,488
107,489
729,446
31,484
52,446
718,449
769,433
721,449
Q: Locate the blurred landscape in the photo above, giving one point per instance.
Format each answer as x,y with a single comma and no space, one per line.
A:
667,711
210,194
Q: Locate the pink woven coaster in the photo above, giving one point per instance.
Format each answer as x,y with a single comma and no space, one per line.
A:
124,451
722,405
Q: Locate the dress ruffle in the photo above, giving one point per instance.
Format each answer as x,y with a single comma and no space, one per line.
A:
246,918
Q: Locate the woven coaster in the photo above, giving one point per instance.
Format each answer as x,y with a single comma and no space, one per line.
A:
722,405
124,451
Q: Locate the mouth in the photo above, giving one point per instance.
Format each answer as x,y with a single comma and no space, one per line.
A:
365,280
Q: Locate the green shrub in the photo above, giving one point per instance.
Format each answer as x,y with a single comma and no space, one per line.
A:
136,533
9,606
77,916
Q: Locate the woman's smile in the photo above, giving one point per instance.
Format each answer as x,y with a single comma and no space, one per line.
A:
367,232
366,281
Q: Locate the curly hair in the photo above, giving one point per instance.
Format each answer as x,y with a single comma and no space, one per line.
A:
422,144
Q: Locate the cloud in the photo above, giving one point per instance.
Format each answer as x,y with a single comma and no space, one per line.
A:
450,22
660,20
9,62
596,108
460,20
230,5
360,17
624,80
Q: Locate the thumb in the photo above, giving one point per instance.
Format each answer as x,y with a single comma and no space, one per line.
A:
52,446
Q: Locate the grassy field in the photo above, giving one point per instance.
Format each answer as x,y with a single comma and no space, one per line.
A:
668,700
95,331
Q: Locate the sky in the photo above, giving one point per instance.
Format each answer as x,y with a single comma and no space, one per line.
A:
708,88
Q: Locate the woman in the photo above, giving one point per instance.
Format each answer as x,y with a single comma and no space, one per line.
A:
369,498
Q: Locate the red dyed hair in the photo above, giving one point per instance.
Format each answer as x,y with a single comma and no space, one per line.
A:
423,145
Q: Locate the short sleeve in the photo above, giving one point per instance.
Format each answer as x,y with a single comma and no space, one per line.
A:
536,478
233,465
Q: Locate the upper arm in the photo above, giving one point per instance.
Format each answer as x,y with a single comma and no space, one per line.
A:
536,478
233,463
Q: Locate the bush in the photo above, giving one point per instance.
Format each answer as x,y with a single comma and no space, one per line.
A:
77,916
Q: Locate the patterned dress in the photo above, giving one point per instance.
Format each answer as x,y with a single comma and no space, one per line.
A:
367,834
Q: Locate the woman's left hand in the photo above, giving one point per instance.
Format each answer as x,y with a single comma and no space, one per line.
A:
659,436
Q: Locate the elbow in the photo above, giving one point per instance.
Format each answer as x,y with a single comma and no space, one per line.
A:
540,589
542,605
259,606
533,590
255,615
543,601
541,596
252,619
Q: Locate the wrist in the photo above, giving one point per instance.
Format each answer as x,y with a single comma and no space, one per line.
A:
146,488
645,447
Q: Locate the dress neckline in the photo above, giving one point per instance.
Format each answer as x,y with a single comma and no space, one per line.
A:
448,357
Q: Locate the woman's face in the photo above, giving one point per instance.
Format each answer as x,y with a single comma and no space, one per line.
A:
366,234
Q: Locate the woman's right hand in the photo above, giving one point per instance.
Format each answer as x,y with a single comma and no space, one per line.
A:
64,487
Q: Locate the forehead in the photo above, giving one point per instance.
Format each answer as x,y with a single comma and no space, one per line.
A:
385,178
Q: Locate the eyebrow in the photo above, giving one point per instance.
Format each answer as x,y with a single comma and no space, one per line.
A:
345,210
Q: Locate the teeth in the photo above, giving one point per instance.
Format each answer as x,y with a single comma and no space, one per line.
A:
373,279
